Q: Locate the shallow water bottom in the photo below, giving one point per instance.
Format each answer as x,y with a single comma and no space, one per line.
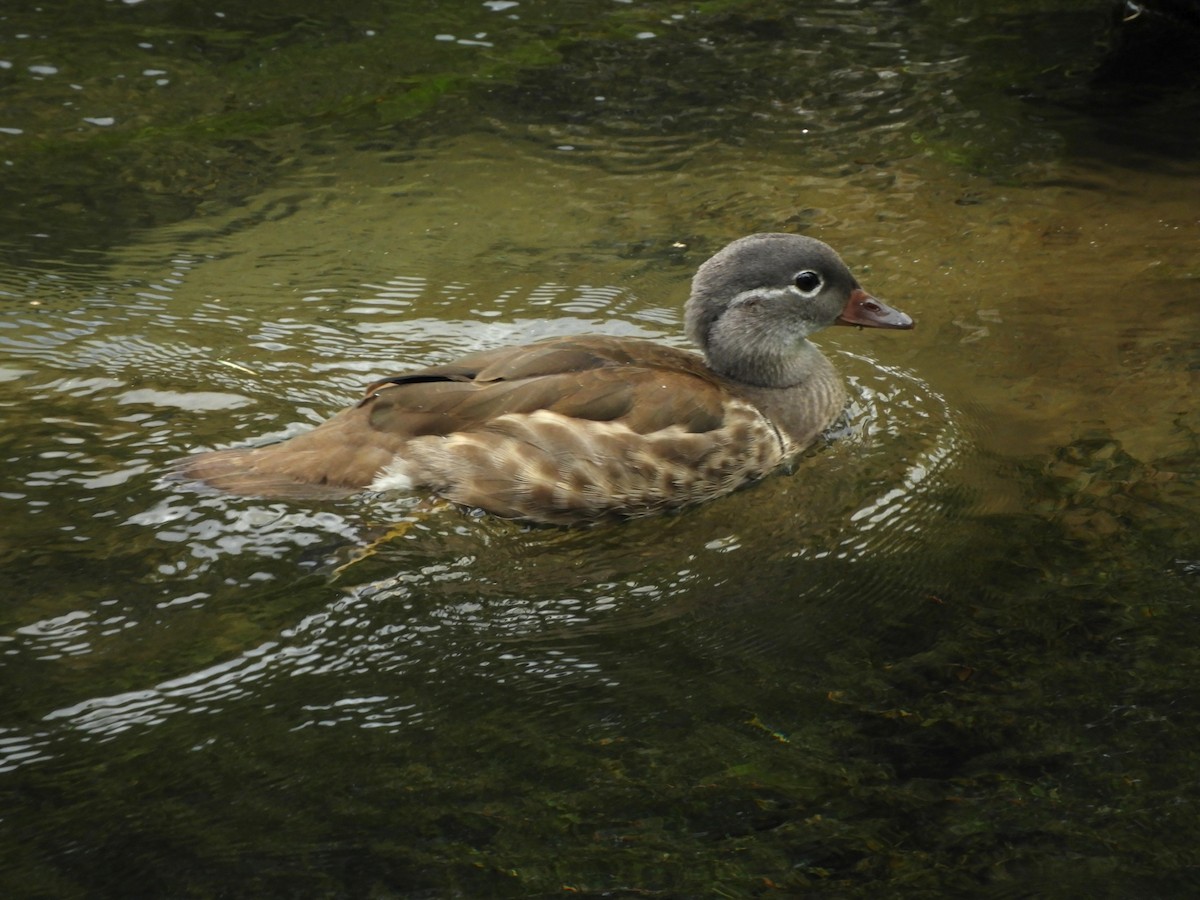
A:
951,654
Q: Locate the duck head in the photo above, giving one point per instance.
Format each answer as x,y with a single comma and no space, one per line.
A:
754,304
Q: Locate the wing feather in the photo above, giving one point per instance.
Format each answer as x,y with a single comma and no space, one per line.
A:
638,387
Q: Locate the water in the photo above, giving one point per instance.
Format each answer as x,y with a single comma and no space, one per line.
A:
950,655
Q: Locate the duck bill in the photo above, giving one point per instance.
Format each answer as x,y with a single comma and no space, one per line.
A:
864,310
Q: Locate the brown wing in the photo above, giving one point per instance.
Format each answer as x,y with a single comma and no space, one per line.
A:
554,357
646,386
643,386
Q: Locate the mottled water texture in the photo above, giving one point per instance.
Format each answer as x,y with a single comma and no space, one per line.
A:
953,654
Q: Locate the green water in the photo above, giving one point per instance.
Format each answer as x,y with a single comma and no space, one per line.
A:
953,655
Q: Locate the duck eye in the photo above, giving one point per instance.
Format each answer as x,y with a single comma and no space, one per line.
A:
808,281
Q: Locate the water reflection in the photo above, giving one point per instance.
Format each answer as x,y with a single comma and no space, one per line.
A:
485,598
968,617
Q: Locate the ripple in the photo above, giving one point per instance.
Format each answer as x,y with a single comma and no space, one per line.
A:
123,374
885,410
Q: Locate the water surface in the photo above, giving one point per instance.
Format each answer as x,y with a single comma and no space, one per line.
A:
951,654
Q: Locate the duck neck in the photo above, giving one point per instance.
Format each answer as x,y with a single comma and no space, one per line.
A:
768,368
806,403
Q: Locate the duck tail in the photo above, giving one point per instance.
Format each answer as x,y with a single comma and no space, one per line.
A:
256,472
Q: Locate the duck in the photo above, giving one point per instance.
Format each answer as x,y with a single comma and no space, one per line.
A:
578,429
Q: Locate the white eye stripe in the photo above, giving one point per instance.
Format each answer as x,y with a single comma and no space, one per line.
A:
764,293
